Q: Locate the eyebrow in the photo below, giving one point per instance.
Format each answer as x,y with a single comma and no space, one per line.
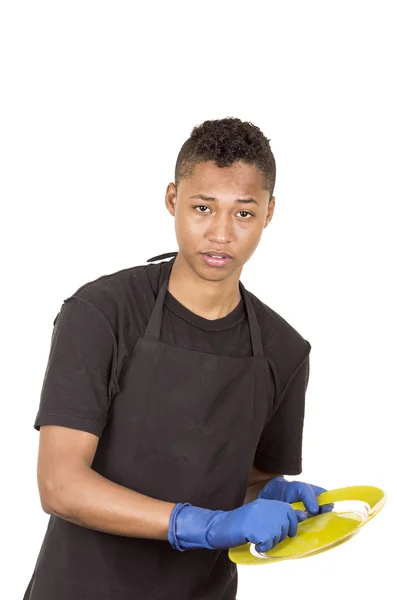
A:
211,199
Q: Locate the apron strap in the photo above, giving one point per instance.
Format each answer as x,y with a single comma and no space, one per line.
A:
154,326
161,256
256,337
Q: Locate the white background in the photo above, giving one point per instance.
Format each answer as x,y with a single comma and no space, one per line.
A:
97,99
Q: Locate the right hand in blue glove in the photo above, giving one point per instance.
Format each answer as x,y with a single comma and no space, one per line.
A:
262,522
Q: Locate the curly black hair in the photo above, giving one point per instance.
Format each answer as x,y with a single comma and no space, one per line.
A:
226,141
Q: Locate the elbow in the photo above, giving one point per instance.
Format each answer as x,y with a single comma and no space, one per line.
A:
53,496
59,496
46,507
48,498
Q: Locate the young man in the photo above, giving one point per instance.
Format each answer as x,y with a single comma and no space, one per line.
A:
173,401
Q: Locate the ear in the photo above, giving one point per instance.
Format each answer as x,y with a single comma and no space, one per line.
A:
170,198
270,211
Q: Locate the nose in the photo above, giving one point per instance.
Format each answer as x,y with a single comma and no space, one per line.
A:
220,229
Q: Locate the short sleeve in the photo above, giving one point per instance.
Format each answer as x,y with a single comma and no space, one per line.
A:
280,446
80,380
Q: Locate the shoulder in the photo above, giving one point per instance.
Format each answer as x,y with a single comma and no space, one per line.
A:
284,346
123,297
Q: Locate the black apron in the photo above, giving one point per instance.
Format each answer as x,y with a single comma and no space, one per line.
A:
184,427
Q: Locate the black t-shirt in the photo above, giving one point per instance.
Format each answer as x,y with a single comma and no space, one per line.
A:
96,331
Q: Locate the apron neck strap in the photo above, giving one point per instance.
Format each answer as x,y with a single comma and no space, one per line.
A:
161,256
256,337
153,328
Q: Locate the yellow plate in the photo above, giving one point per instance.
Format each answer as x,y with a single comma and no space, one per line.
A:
353,507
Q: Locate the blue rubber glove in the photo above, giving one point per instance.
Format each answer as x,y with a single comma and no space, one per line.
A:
262,522
280,489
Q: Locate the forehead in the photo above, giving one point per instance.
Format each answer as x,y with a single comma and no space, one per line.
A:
237,178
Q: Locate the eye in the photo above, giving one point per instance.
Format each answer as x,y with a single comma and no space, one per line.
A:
246,212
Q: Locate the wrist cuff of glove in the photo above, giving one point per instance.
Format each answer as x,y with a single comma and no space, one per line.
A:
172,537
273,489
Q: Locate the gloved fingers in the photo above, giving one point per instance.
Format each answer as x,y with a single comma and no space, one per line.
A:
326,508
265,545
293,522
309,499
276,539
301,515
284,532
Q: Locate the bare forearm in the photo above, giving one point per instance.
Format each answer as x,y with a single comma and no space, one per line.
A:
90,500
257,481
253,491
257,475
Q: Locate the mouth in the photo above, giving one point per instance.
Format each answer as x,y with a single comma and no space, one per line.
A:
216,259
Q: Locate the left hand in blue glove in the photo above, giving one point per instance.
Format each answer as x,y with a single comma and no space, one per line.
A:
279,488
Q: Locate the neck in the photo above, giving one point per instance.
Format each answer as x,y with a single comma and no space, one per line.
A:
208,299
